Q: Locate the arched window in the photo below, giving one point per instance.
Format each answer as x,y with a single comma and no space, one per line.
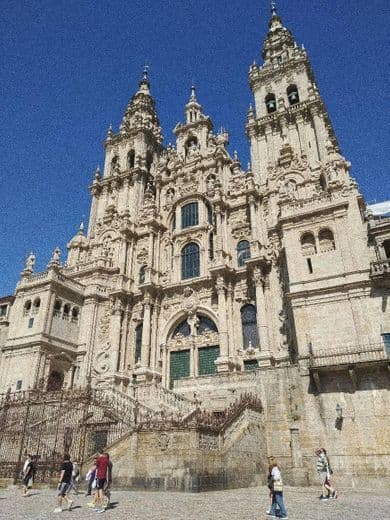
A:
270,103
249,326
36,305
138,343
131,159
308,244
326,240
66,310
190,267
183,329
55,381
189,215
75,314
292,94
114,163
204,325
243,252
26,307
141,277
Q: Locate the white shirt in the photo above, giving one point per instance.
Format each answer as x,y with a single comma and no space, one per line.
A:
276,473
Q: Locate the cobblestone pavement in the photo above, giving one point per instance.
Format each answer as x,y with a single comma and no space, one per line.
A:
240,504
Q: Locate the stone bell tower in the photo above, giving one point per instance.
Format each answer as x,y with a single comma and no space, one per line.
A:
288,105
311,207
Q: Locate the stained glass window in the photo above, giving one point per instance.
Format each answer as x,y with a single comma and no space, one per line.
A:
190,261
183,328
243,252
249,326
204,324
189,215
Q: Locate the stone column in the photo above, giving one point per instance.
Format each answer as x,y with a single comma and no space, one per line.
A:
222,362
49,313
230,318
145,349
319,129
261,310
115,334
154,341
88,328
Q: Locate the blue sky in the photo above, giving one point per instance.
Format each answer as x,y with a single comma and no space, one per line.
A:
68,69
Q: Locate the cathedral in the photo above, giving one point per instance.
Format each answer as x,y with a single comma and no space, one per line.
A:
200,279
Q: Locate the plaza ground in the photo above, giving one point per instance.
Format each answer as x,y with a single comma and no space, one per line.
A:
240,504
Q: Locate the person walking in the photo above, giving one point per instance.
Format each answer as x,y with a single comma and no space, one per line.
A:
277,492
64,484
75,478
28,474
102,464
324,472
90,478
108,484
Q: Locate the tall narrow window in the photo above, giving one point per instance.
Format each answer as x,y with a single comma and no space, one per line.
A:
211,246
141,278
292,94
131,159
270,103
249,326
138,343
190,267
243,252
189,215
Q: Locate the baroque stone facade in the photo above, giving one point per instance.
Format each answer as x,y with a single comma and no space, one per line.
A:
211,280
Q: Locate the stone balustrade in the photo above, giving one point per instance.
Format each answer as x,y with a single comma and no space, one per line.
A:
348,355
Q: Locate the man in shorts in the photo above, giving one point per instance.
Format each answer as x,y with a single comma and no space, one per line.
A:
102,464
64,484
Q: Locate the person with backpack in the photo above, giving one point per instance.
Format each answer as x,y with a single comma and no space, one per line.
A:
324,472
275,480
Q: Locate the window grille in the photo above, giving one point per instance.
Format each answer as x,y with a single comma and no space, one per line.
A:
190,267
189,215
243,252
249,326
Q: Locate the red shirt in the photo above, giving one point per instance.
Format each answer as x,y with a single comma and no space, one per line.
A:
101,467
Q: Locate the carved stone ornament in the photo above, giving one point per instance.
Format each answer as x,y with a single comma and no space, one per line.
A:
102,362
142,255
163,441
104,325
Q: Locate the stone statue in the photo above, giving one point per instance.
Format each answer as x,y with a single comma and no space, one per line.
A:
30,262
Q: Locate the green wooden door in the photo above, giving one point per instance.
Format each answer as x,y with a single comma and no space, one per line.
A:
179,365
207,356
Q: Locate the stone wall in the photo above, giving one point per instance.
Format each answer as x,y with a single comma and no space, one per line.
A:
192,460
298,419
